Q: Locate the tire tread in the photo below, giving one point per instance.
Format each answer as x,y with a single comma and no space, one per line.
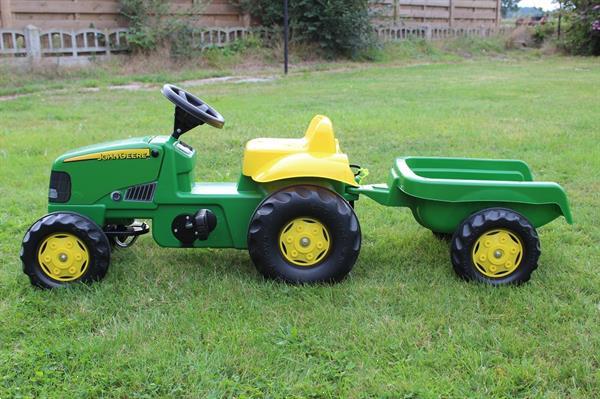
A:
99,248
468,232
300,196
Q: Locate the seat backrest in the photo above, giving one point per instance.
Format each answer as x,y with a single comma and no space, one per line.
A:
319,135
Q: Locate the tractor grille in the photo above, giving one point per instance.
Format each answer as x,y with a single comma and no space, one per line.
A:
142,192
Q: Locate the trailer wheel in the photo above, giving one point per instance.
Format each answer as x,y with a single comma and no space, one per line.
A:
495,246
64,248
304,234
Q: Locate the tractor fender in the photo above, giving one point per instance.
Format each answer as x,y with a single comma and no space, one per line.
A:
327,166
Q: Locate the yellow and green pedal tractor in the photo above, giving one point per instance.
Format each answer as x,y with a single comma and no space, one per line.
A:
292,207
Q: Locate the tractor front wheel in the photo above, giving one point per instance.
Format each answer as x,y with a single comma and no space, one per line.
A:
304,234
496,246
64,248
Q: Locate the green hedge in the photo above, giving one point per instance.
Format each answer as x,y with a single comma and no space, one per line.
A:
338,27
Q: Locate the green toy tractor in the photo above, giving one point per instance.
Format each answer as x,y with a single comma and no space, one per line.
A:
292,206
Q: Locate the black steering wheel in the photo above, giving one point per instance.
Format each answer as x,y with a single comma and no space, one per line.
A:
193,107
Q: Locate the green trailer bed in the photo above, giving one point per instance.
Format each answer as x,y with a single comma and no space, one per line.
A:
442,192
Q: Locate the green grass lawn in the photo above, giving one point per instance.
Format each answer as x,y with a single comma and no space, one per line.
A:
203,323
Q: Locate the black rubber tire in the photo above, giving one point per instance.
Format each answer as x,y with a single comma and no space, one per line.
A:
85,229
480,222
304,201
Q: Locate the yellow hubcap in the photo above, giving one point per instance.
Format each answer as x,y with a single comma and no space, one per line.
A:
497,253
63,257
304,241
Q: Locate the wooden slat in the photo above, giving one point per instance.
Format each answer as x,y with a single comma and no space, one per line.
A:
61,7
446,3
423,13
480,14
475,4
212,9
108,7
65,24
421,3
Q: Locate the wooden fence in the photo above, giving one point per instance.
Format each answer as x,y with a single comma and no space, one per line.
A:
33,44
391,33
447,13
77,46
105,14
69,29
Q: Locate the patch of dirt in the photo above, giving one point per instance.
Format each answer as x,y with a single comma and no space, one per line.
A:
147,86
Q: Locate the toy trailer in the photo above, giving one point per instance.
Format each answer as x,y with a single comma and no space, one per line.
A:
292,206
489,209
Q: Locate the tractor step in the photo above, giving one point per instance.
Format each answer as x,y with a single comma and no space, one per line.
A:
135,229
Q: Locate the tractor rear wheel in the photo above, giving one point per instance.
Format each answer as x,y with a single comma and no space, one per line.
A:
496,246
304,234
64,248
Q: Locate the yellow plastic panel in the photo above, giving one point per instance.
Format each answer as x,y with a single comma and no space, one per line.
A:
317,154
334,167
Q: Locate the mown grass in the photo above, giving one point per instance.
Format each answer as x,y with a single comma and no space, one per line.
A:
245,57
203,323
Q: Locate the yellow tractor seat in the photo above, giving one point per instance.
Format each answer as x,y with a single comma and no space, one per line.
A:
317,154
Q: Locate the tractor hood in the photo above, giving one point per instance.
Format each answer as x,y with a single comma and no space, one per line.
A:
137,145
93,173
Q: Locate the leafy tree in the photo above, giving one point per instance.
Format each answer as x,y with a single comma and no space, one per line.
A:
582,35
339,27
509,5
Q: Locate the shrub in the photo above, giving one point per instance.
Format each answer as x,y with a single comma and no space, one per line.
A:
582,35
153,25
542,32
338,27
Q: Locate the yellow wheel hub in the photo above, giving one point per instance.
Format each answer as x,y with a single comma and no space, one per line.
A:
63,257
497,253
304,241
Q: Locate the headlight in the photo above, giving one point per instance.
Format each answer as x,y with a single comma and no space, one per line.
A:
60,187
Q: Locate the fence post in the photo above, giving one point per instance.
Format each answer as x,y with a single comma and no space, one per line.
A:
107,42
7,15
245,19
33,43
74,42
498,12
451,13
427,33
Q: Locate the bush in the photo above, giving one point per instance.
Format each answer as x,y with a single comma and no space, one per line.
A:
582,35
542,32
224,57
338,27
152,25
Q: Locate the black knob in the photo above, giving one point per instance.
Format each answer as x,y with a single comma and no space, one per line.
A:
205,221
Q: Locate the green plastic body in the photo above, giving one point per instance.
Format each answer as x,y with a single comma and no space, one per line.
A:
94,182
442,192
